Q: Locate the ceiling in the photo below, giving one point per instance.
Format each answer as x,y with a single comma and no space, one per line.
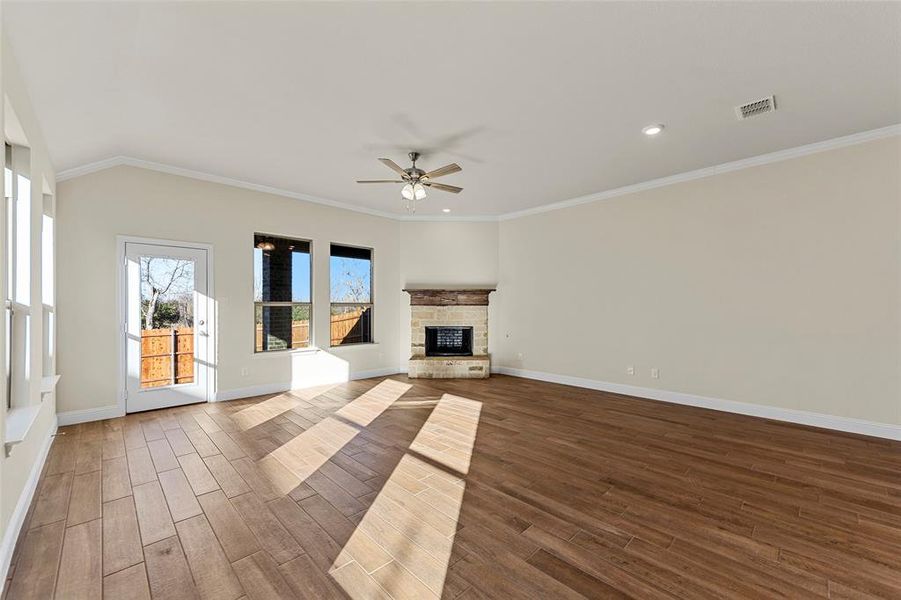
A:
538,102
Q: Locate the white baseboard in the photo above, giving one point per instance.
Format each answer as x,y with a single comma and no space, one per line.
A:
73,417
110,412
375,373
277,388
17,519
801,417
847,424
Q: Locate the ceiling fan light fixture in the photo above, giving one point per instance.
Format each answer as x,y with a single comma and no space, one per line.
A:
413,191
416,180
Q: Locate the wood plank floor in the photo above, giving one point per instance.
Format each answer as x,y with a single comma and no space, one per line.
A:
502,488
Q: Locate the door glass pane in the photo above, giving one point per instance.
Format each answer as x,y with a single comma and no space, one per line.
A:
167,321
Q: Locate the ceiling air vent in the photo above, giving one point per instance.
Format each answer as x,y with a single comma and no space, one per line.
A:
755,107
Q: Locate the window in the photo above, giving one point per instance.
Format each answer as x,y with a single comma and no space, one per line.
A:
10,218
281,289
47,253
351,295
48,276
17,189
8,313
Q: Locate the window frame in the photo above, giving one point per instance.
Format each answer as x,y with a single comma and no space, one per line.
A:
48,296
15,157
370,304
260,304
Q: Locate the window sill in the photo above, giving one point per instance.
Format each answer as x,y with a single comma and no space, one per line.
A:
357,345
295,352
19,420
48,384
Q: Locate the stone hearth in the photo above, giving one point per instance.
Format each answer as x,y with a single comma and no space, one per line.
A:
441,307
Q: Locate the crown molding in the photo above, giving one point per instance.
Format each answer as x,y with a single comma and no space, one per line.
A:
130,161
445,219
92,167
202,176
745,163
737,165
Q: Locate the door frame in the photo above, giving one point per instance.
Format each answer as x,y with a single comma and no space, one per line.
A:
122,312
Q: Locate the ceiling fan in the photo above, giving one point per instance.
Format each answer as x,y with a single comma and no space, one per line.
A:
417,180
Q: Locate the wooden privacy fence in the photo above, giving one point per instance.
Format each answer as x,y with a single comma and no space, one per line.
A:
345,328
167,356
349,327
300,335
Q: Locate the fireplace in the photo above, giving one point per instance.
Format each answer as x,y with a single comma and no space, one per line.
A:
448,341
449,332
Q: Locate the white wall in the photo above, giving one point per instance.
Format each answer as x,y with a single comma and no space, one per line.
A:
18,471
776,285
94,209
446,253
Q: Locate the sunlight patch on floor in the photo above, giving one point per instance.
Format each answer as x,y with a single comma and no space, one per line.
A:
309,393
306,453
260,412
257,414
403,544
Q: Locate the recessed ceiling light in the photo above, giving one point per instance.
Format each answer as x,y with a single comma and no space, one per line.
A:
652,129
446,210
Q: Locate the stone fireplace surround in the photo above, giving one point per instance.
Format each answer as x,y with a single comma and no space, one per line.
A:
467,307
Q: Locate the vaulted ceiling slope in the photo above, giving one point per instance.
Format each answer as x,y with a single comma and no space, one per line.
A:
538,102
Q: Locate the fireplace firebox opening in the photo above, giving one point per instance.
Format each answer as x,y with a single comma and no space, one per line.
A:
448,341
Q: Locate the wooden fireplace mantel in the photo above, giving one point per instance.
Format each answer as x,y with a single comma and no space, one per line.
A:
449,296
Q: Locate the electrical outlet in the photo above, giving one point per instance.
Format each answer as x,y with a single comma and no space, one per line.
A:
243,371
655,373
519,356
630,370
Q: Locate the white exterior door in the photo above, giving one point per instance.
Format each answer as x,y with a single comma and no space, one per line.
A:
167,336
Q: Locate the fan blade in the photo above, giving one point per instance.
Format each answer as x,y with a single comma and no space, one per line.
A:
445,170
380,181
394,167
444,188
